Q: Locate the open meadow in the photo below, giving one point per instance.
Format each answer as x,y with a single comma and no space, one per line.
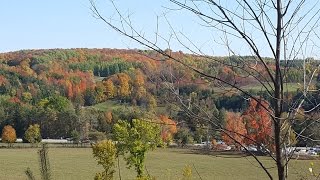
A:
78,164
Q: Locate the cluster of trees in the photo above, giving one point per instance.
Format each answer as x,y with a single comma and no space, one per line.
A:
55,89
132,140
32,135
252,127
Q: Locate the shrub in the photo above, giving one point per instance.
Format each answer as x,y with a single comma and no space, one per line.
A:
9,135
32,134
97,136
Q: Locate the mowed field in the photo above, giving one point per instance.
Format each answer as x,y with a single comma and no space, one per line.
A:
78,164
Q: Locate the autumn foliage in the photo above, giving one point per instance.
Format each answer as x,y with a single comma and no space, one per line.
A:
8,134
236,130
258,123
168,128
108,116
253,127
124,86
110,89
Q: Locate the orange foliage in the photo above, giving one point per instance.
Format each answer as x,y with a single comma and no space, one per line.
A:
139,79
258,123
8,134
235,128
168,129
69,89
14,100
108,116
3,80
124,86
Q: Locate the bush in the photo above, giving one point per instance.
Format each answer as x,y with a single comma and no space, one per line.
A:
75,136
32,134
184,136
97,136
9,134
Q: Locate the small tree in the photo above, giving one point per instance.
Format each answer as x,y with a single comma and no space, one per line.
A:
168,129
235,130
136,138
187,173
258,124
97,136
44,165
9,135
184,136
45,169
75,135
32,134
108,116
105,153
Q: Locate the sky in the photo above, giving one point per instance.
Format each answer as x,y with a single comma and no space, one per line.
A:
36,24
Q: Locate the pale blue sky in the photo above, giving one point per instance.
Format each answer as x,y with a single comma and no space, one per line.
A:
36,24
51,24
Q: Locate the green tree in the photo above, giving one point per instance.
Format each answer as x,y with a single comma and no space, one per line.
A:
184,136
56,102
32,134
105,153
75,135
136,139
152,103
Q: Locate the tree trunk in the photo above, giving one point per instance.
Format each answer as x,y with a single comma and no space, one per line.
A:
279,159
278,101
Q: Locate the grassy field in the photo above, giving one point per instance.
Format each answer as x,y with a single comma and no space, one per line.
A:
107,106
288,87
111,105
78,164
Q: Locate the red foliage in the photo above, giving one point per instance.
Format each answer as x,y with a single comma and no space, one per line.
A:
258,123
3,80
14,100
235,129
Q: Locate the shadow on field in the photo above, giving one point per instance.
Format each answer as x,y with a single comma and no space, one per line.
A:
237,154
222,154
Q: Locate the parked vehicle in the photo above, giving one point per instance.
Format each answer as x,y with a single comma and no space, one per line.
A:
312,153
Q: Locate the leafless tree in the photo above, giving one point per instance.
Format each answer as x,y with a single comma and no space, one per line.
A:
284,30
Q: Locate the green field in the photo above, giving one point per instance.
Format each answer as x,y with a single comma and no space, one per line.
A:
107,106
78,164
288,87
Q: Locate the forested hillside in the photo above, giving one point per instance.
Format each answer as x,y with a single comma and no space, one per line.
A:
86,91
